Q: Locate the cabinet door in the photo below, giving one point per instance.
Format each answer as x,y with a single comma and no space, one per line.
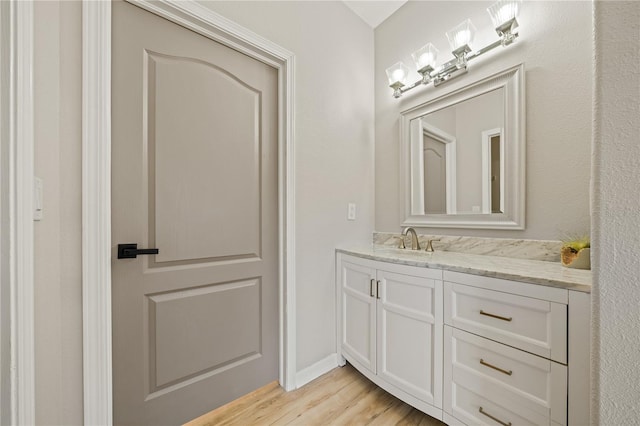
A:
358,330
410,334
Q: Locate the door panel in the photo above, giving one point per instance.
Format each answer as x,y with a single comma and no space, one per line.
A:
183,323
435,191
192,103
194,173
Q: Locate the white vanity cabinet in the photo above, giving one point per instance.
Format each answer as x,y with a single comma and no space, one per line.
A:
390,327
467,349
506,352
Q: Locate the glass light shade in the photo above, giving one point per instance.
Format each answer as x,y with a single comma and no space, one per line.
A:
462,35
425,57
397,74
504,11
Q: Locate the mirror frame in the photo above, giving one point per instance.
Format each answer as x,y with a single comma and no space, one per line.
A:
514,150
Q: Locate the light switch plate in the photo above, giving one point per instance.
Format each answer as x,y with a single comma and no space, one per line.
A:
351,213
37,199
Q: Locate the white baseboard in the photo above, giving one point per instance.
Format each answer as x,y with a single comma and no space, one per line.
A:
316,370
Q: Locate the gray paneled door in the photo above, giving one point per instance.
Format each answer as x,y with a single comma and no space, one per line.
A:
435,165
194,168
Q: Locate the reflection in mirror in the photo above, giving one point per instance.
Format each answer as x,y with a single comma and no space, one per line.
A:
439,169
473,129
463,156
495,175
435,189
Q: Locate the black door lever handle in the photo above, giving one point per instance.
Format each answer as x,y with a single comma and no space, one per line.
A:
131,251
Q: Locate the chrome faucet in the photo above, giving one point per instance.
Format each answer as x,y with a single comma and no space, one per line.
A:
415,244
430,245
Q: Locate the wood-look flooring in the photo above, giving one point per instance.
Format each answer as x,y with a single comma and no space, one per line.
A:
343,396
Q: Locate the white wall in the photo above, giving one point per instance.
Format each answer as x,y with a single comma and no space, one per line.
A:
616,203
58,298
5,306
334,166
334,146
555,45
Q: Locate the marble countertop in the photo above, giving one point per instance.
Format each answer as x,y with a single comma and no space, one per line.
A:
551,274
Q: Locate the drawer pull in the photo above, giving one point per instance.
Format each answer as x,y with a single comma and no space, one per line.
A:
493,418
495,316
378,289
507,372
371,287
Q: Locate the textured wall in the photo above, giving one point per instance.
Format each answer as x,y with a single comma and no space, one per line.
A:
616,203
556,49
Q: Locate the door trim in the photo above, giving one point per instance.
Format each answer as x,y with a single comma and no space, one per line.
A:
486,168
96,185
17,404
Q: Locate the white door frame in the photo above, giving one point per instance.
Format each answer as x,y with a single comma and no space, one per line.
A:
96,184
17,397
486,168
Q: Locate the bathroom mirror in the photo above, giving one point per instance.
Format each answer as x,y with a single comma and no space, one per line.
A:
463,156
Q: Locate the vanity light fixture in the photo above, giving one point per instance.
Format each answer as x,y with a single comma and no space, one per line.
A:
397,75
425,59
503,13
460,38
504,16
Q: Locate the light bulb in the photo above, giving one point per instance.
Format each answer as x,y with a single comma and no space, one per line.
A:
507,12
425,58
504,11
462,35
397,74
462,38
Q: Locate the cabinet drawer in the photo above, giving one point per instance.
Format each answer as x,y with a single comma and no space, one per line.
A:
473,409
481,372
534,325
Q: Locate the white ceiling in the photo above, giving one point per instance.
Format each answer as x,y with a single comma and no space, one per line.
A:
374,12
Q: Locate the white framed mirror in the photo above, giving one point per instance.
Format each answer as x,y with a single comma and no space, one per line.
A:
463,156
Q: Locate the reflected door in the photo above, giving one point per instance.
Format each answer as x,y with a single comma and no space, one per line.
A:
194,168
435,190
496,175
